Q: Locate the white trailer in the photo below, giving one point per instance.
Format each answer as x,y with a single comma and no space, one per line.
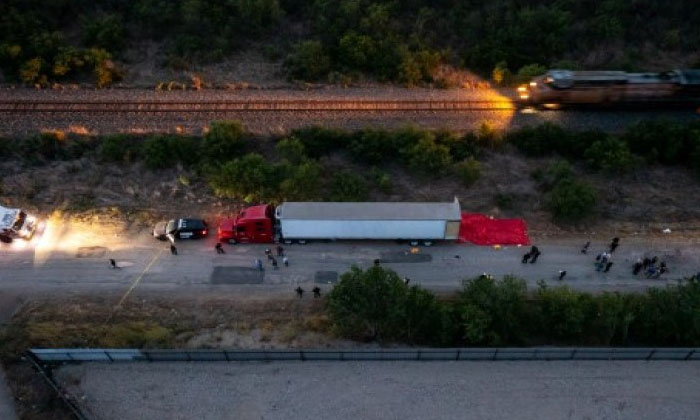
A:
15,223
427,222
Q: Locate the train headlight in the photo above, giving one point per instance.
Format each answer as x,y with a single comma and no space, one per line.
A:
522,89
533,84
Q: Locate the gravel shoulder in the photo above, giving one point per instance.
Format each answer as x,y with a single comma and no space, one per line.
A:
388,390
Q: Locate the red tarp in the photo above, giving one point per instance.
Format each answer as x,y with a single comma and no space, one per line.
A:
483,230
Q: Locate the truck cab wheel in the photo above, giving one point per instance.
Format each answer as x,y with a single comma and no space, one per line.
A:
232,241
302,241
5,239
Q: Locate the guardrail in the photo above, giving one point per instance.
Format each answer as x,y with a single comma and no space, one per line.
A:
51,356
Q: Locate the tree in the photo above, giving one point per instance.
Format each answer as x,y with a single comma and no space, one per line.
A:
301,182
493,312
427,157
571,200
368,303
468,171
309,61
249,177
346,186
610,155
224,140
564,313
291,149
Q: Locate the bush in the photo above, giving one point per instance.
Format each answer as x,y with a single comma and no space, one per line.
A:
658,141
302,182
571,200
382,180
367,304
468,171
157,153
542,140
119,148
309,61
493,313
611,155
565,314
427,157
464,147
372,146
291,149
345,186
554,173
249,178
224,141
319,141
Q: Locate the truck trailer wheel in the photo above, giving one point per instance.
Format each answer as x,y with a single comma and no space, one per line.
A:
302,241
427,243
5,239
413,243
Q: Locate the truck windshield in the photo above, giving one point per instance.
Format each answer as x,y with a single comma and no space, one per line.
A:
19,221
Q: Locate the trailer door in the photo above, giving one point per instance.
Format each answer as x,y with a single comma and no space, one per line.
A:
452,229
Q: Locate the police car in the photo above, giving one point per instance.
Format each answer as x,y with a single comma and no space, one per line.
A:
180,229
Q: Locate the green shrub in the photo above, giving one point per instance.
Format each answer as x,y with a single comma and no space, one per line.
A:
346,186
309,61
565,314
542,140
319,141
291,149
493,313
468,171
464,147
571,200
611,155
249,178
106,32
528,72
158,153
224,141
662,141
302,182
554,173
119,148
427,157
372,146
382,180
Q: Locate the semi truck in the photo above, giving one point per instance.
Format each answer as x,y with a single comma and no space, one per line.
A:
16,224
301,222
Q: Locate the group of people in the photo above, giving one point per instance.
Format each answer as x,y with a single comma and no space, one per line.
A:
603,261
531,256
316,291
272,259
650,268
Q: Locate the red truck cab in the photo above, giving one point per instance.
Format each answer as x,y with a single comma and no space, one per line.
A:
252,225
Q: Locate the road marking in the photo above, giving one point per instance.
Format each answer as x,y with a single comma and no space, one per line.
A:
134,284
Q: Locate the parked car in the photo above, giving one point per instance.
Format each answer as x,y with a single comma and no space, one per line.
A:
180,229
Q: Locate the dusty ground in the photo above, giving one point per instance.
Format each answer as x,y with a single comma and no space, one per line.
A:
389,390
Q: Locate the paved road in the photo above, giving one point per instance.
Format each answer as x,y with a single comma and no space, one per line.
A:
7,408
79,263
389,390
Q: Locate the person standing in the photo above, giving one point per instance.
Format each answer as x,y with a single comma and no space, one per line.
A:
614,244
562,274
607,266
173,250
274,263
259,264
317,292
300,292
637,267
219,248
535,254
280,251
285,261
112,263
584,250
525,258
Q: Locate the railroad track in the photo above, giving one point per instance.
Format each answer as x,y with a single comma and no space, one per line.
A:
251,106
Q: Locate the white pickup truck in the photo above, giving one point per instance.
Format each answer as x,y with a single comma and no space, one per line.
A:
16,224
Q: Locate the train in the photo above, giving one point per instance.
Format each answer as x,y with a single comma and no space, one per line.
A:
561,88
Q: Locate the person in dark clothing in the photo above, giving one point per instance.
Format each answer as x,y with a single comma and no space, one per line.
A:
662,268
654,260
112,263
300,291
280,251
525,258
268,252
406,280
645,262
607,266
219,248
562,274
259,264
637,267
535,254
376,262
274,263
173,250
614,244
584,250
317,292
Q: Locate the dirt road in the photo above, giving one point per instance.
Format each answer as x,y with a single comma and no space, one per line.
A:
75,259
